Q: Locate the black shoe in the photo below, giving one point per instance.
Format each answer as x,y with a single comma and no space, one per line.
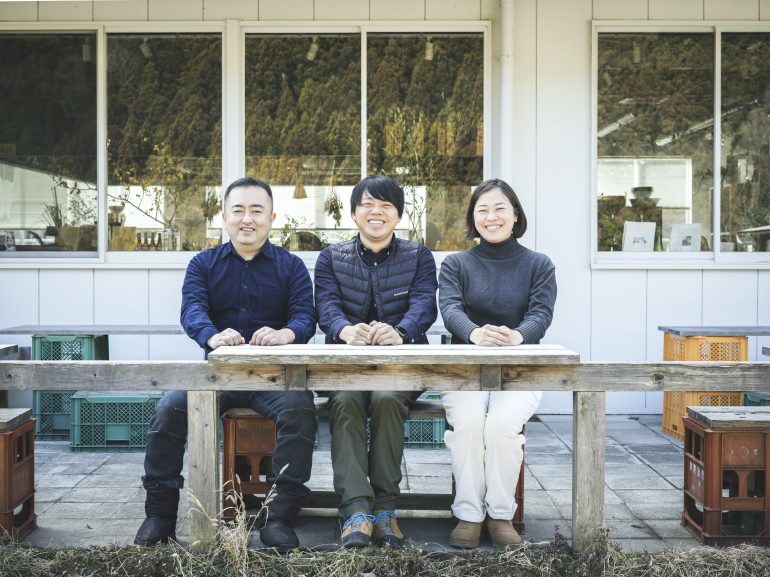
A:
156,530
160,506
278,534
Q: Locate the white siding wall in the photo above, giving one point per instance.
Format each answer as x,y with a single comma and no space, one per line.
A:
602,314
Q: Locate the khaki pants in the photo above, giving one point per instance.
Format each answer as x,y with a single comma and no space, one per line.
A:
366,479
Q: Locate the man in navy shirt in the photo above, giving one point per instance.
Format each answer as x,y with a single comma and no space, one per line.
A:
376,289
244,291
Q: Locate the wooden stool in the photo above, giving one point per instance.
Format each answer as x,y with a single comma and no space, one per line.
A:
248,442
17,473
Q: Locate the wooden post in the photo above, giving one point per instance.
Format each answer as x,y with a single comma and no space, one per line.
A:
490,377
587,468
203,466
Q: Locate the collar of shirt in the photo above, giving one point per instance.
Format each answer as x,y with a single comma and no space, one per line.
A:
267,250
372,258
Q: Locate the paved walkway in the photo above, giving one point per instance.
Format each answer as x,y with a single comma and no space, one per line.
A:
97,499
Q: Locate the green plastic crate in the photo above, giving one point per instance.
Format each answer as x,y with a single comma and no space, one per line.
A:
51,409
424,433
756,399
110,422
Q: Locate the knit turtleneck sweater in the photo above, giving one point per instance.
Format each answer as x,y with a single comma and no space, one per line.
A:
498,284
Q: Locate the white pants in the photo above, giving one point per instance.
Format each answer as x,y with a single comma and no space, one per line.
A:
486,446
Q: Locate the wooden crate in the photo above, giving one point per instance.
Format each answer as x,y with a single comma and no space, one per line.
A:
699,348
17,473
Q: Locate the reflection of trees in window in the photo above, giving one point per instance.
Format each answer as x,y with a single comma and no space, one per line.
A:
48,141
425,127
655,99
745,171
164,131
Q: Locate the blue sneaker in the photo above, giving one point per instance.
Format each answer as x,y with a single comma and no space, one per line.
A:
386,531
357,530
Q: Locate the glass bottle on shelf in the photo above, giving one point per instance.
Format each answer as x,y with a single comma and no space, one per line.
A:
138,245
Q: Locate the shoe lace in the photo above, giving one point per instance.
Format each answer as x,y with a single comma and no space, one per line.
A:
383,520
356,520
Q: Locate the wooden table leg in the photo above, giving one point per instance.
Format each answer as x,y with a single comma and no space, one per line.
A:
588,423
203,466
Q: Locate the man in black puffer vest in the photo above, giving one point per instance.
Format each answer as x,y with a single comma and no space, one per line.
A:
376,289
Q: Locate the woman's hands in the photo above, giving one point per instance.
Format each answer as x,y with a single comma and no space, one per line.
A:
493,336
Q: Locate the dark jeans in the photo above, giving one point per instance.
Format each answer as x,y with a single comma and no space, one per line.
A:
293,412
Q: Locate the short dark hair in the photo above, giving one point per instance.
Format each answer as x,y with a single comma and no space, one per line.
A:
246,181
381,188
521,219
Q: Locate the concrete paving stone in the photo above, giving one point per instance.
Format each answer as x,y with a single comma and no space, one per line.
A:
625,529
51,447
321,482
616,422
540,530
49,494
662,459
535,458
647,482
430,484
620,470
98,458
656,511
555,483
99,495
427,456
668,469
677,481
623,458
670,529
639,545
58,481
42,506
639,437
667,496
617,512
538,505
429,469
128,469
656,449
56,468
128,457
115,481
132,510
542,471
82,511
612,448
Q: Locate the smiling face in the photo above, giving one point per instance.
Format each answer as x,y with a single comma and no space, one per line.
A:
494,216
248,216
376,219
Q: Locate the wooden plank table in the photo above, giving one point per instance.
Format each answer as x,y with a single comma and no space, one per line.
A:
718,331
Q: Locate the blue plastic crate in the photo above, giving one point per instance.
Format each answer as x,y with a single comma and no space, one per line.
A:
424,433
110,422
756,399
51,410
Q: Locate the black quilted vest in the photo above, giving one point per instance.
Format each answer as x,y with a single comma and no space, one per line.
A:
392,281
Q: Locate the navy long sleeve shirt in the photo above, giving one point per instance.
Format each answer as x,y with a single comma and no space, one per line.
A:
222,290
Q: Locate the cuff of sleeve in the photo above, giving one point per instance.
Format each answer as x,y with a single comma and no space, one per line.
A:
465,329
300,336
336,328
531,332
205,335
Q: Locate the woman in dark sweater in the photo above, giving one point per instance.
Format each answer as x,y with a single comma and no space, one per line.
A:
498,293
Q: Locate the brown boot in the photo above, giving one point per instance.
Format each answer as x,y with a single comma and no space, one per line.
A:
465,535
502,532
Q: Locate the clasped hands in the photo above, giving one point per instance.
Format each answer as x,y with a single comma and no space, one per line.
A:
374,333
265,336
493,336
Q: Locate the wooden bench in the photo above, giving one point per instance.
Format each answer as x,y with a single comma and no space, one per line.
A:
247,447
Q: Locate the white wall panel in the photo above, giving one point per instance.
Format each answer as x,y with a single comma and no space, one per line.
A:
679,10
165,296
452,9
121,297
230,9
18,299
286,10
763,312
563,160
731,9
618,315
764,9
396,10
730,298
66,297
674,298
175,9
129,347
620,9
490,9
174,348
65,11
18,11
120,10
342,9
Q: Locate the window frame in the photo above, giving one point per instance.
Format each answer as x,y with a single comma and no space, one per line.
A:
233,34
715,258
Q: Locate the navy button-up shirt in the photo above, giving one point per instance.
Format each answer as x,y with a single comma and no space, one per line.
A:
222,290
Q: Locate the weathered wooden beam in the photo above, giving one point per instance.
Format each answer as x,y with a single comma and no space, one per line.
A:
203,466
587,468
490,377
296,377
410,375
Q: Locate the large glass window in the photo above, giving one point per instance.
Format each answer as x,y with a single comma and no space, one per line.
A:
745,158
48,194
164,131
425,127
655,117
303,131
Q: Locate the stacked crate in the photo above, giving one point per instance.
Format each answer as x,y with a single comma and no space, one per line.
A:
51,409
726,481
17,473
699,348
